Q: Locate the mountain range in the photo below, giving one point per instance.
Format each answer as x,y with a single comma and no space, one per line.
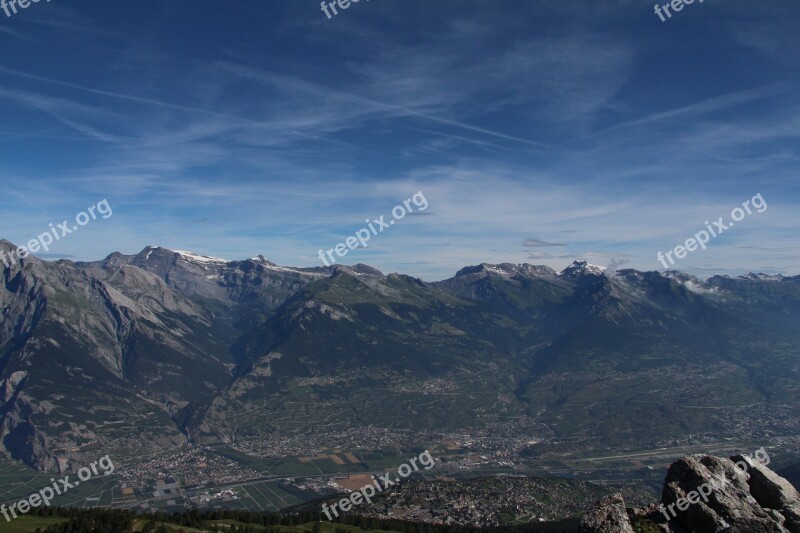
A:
144,353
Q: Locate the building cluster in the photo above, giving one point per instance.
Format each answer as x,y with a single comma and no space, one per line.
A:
485,501
190,466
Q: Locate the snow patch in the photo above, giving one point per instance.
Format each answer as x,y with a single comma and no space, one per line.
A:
285,269
582,267
496,270
758,276
199,258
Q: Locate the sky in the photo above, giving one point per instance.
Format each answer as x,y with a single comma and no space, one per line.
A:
537,132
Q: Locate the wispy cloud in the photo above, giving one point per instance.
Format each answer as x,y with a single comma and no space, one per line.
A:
536,243
556,120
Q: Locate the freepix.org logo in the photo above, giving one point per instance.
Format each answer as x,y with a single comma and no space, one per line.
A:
44,496
326,6
676,5
376,226
10,6
57,231
381,482
703,237
717,482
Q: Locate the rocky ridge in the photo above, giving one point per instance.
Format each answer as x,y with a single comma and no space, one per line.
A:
152,351
708,494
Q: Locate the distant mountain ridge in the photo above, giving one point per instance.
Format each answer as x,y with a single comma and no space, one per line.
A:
153,350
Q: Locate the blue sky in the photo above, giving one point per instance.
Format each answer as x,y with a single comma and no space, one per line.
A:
538,132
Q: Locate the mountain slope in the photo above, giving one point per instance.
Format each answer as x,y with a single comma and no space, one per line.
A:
154,350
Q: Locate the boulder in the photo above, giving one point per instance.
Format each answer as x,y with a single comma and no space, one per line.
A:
708,494
607,516
772,492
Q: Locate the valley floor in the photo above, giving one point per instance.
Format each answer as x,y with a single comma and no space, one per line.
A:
221,477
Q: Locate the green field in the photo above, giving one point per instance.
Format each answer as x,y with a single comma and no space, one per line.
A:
387,459
327,527
257,497
28,524
18,481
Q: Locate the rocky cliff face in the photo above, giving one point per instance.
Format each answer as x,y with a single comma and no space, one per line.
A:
707,494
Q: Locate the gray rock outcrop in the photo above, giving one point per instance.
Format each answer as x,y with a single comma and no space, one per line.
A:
607,516
708,494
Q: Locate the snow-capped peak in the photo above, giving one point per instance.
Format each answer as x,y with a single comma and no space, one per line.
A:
190,256
502,270
758,276
582,267
261,259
